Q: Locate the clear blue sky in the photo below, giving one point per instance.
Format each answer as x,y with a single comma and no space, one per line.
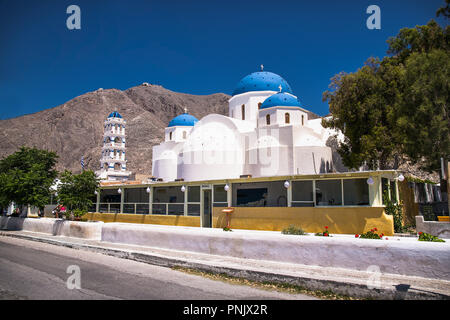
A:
197,47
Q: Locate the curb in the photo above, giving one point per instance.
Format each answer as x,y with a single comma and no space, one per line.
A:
399,292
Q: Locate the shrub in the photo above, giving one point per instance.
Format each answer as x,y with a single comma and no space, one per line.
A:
428,237
79,213
394,209
293,230
370,235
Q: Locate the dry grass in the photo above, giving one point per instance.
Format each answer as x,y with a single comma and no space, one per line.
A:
267,285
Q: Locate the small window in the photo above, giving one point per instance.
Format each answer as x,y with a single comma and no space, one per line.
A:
259,105
170,136
194,194
287,118
243,111
328,193
268,119
356,192
303,120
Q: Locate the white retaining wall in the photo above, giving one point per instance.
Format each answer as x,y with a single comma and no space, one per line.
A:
436,228
56,227
409,257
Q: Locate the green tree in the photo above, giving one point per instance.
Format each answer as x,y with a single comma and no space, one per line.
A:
362,106
445,11
423,119
26,177
76,191
396,109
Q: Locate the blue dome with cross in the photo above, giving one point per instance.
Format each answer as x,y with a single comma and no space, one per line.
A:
262,81
184,119
114,114
281,99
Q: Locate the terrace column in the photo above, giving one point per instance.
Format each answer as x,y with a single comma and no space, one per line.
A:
122,198
150,201
289,195
229,195
97,204
186,201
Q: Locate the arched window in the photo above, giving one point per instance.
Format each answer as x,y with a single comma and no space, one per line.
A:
303,120
117,166
287,118
243,111
268,119
259,105
184,134
170,136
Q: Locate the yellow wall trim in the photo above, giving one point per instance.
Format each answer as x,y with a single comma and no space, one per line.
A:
344,220
186,221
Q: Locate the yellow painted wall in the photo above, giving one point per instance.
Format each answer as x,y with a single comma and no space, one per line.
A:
347,220
186,221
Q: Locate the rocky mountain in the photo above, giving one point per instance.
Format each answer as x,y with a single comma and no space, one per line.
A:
75,128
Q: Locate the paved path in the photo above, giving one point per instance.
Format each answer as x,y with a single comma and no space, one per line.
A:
34,270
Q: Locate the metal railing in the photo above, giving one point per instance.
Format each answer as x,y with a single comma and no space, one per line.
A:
109,207
136,207
168,208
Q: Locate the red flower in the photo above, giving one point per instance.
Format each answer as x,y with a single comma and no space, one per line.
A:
387,238
420,233
356,235
326,227
375,229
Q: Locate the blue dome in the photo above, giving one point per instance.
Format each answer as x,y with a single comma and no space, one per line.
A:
114,114
281,99
184,119
262,81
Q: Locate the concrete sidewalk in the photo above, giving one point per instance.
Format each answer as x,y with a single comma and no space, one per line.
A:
364,284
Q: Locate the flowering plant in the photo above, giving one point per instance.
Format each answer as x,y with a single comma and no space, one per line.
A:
370,234
324,233
428,237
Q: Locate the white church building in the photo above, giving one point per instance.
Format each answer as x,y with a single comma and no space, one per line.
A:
267,133
265,166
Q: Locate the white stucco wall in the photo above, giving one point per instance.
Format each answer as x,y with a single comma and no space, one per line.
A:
213,150
250,100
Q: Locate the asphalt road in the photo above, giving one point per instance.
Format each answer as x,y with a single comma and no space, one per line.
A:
34,270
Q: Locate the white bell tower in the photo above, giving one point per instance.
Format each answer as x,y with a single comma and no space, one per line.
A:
113,164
